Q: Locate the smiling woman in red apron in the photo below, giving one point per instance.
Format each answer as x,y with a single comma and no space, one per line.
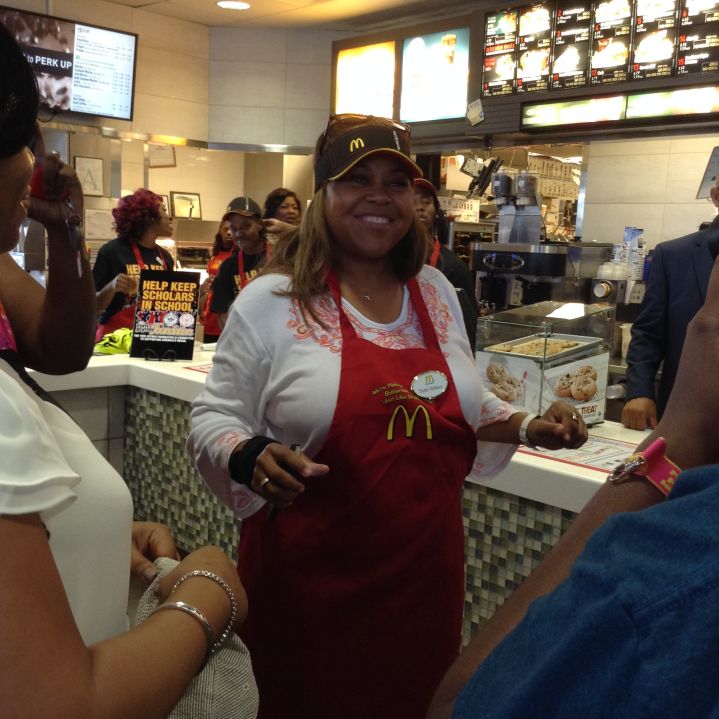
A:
140,219
350,351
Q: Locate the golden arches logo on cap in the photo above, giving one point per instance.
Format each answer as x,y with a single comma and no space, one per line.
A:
356,144
344,151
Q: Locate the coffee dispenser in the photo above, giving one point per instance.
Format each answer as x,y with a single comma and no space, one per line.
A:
520,218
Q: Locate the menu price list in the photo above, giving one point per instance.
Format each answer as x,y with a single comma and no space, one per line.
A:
573,24
102,80
571,44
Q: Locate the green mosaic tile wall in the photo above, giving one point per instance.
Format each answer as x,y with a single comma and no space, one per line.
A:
505,535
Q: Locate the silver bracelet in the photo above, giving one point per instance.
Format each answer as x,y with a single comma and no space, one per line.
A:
234,609
199,616
523,438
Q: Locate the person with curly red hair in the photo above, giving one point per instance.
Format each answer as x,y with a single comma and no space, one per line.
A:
140,218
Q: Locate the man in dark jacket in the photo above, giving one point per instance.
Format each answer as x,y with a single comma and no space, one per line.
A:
676,289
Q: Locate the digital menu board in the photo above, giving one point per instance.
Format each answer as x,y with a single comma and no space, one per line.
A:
500,53
611,42
654,38
534,47
435,66
78,67
567,44
570,60
365,80
698,46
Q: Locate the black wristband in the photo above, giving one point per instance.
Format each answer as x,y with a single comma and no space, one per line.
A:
242,463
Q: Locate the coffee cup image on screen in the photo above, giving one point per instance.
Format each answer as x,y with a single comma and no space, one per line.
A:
48,45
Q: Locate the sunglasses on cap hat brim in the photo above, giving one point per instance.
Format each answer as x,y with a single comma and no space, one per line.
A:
341,153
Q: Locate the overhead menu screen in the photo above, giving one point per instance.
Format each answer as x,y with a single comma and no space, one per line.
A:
500,51
611,42
435,66
78,67
654,38
567,44
573,26
534,47
698,32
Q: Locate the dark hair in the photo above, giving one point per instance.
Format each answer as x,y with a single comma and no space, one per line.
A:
135,213
218,244
18,97
441,224
276,198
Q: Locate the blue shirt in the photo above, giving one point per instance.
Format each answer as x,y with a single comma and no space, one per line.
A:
633,633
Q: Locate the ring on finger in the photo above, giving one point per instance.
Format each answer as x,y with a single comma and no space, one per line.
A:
263,481
575,417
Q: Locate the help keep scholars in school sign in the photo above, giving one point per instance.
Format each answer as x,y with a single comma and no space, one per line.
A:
165,315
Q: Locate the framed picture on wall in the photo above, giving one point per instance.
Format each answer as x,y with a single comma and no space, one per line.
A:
186,204
89,172
161,155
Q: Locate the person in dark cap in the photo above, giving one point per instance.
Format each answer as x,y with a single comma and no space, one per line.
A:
245,218
431,215
344,394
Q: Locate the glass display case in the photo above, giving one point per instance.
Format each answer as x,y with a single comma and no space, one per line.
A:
533,355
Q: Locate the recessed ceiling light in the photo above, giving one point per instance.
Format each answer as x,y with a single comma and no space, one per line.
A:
233,5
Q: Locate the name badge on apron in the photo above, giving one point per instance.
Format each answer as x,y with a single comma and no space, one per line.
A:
430,384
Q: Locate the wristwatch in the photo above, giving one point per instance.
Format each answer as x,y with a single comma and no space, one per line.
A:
652,464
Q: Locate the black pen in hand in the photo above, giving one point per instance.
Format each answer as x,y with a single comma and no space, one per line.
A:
274,511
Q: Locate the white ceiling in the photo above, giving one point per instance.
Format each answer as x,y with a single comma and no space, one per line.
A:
352,15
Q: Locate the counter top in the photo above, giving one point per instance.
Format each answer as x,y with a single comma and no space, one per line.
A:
542,479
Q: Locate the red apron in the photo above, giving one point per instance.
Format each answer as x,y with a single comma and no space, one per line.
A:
126,316
212,324
356,591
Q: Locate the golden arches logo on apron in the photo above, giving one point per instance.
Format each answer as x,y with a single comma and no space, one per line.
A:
409,421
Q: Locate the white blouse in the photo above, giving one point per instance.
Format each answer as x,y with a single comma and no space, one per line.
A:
278,375
50,466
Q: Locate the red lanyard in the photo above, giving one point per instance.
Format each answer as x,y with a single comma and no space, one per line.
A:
435,253
141,262
241,263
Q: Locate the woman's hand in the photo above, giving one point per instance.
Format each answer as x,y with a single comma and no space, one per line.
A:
211,559
150,540
560,426
278,471
125,284
56,193
278,227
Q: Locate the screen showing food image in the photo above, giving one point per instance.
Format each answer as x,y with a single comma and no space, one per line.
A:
435,66
571,44
365,80
534,46
498,75
610,42
698,49
698,12
653,54
78,67
570,65
533,70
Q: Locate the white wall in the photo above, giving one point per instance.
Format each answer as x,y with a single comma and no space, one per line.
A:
269,86
650,183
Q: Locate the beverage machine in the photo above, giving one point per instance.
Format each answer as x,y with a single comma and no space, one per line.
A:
522,267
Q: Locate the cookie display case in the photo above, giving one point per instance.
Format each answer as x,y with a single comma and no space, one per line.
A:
534,355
